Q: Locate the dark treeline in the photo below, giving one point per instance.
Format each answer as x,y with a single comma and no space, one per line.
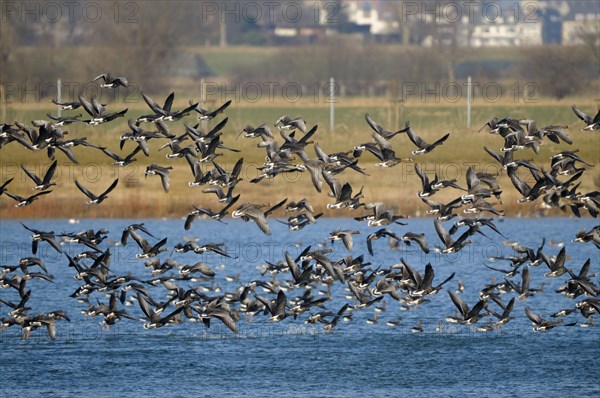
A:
370,70
41,41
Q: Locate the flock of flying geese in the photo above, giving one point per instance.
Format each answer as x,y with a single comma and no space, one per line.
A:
305,289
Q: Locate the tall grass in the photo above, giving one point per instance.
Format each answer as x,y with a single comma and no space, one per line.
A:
137,196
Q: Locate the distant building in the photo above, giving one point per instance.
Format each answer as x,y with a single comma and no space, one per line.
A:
297,33
537,22
384,20
379,16
581,21
505,35
566,22
493,23
303,28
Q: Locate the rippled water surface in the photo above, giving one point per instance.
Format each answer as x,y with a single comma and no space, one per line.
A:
291,358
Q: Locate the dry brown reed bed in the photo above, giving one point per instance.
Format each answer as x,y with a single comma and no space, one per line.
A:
138,197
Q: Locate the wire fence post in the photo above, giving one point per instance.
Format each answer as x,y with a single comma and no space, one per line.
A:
202,93
3,102
331,104
58,96
399,112
203,100
469,98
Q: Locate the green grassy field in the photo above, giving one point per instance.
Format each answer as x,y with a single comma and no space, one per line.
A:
137,196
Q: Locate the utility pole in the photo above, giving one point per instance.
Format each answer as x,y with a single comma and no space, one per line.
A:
331,104
203,100
59,96
222,32
469,99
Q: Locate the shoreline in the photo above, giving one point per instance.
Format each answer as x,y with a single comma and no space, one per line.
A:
281,215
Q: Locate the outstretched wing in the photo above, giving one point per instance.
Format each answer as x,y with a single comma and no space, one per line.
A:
85,190
153,105
102,76
261,221
444,237
277,206
50,172
415,139
441,140
581,115
374,125
169,103
34,177
535,318
422,176
98,107
87,105
220,109
462,307
112,186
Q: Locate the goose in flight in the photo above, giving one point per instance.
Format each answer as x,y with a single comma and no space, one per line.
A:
111,82
39,236
556,266
147,250
218,309
276,308
377,235
342,194
249,211
97,111
431,187
468,316
208,115
121,161
66,106
451,245
381,216
59,121
540,324
345,236
153,317
302,204
423,146
388,135
96,199
386,154
5,184
286,123
263,131
423,284
45,183
25,201
164,113
191,217
408,238
163,172
591,123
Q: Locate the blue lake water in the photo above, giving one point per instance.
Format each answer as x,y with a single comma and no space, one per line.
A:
291,358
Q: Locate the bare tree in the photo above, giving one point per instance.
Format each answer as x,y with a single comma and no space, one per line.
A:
589,35
559,71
